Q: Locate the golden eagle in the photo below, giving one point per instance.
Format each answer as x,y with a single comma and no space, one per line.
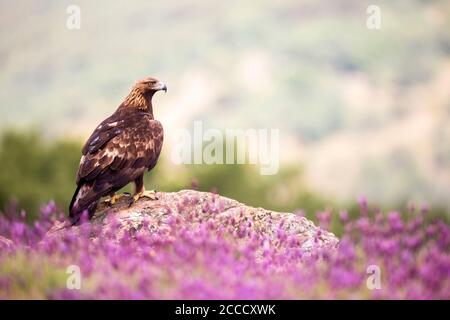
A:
119,150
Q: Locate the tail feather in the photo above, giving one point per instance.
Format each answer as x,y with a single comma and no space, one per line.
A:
72,202
83,199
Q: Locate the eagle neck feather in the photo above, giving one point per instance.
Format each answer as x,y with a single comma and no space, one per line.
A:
137,100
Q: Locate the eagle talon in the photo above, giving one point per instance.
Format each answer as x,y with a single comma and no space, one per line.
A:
113,199
151,194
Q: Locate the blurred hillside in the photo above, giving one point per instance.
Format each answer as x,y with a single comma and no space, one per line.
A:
364,112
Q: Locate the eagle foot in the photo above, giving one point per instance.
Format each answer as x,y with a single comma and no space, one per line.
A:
151,194
113,199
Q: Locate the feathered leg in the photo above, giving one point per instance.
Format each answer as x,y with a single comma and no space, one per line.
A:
140,191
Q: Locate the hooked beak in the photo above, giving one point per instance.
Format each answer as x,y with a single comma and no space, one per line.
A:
162,86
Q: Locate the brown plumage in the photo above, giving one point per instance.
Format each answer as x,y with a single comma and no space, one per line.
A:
119,150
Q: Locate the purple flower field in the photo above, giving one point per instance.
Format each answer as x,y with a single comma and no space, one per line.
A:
409,257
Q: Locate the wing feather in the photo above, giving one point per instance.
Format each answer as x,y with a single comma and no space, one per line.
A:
119,150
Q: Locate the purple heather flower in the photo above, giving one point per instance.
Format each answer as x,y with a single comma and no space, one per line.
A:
395,221
324,218
194,255
343,216
411,207
299,212
362,201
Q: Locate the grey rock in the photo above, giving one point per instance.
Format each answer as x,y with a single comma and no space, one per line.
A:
195,207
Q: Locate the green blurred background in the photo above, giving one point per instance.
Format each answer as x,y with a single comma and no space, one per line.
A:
359,111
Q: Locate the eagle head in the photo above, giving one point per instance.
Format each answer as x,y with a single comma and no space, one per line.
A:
149,85
141,95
